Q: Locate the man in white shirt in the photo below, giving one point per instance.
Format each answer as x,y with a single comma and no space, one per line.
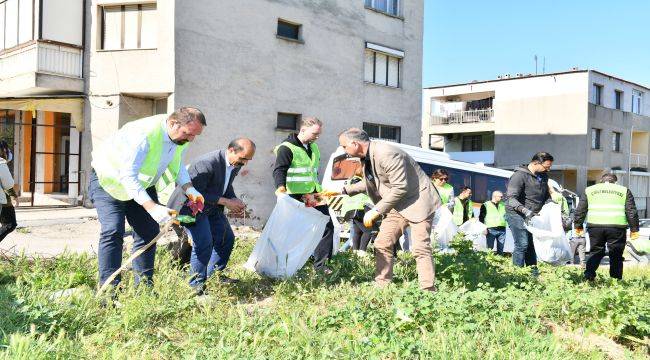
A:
126,168
212,237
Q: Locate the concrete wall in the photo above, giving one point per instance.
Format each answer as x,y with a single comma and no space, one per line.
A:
230,64
610,85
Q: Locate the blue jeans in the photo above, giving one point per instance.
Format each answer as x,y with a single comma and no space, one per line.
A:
524,252
498,235
111,213
212,243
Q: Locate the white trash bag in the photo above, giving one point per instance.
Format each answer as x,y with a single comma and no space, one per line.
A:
288,239
475,230
551,244
444,228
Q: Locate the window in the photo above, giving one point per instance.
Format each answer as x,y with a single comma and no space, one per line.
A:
288,30
383,132
386,6
382,65
637,101
16,22
616,141
287,121
129,27
595,138
618,99
472,143
597,94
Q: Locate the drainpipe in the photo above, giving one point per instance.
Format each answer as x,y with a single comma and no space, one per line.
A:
629,159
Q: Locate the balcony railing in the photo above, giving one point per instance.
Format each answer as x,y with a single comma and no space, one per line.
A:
639,160
464,117
57,59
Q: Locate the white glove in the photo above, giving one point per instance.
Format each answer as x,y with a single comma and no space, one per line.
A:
161,214
194,195
370,217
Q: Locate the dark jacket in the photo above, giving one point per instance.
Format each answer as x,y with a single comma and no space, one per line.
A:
526,190
283,160
207,174
483,213
630,213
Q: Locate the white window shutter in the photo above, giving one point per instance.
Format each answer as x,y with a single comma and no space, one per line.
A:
393,71
131,29
112,28
368,66
380,73
149,35
25,32
11,23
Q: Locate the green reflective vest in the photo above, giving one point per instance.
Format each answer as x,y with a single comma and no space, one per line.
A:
458,211
302,176
561,200
356,202
446,191
494,215
606,204
108,159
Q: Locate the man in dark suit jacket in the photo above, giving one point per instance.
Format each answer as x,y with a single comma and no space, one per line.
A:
401,192
212,237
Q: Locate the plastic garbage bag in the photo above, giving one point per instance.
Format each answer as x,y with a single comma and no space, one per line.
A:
444,228
289,238
551,244
640,245
475,230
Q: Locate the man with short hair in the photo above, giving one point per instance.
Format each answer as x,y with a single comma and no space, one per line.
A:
440,179
296,174
126,168
527,193
463,206
212,237
609,209
492,214
403,194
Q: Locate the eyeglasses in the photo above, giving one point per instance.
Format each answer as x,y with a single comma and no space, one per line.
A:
443,179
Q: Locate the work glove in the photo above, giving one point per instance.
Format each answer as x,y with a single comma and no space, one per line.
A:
529,214
634,235
280,190
162,215
580,233
329,193
194,195
370,217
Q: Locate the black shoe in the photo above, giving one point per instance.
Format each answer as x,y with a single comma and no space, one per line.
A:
227,280
200,290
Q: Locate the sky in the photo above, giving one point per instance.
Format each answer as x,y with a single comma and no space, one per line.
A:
466,40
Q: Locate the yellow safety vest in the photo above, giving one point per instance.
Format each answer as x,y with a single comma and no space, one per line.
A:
445,192
494,216
302,175
458,211
606,204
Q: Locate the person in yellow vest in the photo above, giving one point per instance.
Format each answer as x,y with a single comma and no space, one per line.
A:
125,171
609,209
296,174
440,179
357,205
463,206
559,199
493,215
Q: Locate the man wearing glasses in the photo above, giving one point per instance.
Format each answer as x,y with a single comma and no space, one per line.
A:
527,193
212,236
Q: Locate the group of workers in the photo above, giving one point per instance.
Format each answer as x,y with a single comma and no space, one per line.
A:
147,153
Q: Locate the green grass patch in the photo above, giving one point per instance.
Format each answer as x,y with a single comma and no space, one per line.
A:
485,308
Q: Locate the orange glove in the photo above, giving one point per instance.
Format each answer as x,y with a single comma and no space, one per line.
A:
634,235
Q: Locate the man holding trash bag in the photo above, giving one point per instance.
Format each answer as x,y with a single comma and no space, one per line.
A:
609,209
527,193
296,174
122,185
403,194
493,214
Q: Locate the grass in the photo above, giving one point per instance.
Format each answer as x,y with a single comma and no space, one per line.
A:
484,308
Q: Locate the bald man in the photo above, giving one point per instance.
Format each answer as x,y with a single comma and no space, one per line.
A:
212,236
493,216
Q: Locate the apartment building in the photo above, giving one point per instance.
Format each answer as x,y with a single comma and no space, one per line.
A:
41,96
255,68
590,121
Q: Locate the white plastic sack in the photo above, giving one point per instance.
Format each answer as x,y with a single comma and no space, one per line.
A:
288,239
475,230
551,244
444,228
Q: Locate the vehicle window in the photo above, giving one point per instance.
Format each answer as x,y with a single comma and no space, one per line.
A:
344,168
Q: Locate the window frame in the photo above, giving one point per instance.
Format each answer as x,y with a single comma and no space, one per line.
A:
616,141
102,20
618,99
371,5
296,117
596,143
476,141
298,39
379,126
637,98
389,53
597,94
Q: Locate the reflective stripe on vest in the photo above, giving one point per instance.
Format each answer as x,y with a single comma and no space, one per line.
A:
494,216
606,204
302,175
458,211
445,192
109,157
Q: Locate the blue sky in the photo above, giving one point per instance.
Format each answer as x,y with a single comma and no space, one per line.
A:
467,40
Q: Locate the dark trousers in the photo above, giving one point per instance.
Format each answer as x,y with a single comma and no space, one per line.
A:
361,235
498,234
615,239
111,214
524,251
7,220
212,243
323,251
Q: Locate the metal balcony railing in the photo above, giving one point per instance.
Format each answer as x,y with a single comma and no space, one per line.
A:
639,160
463,117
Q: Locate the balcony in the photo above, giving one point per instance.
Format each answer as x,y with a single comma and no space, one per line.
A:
463,117
639,161
41,67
